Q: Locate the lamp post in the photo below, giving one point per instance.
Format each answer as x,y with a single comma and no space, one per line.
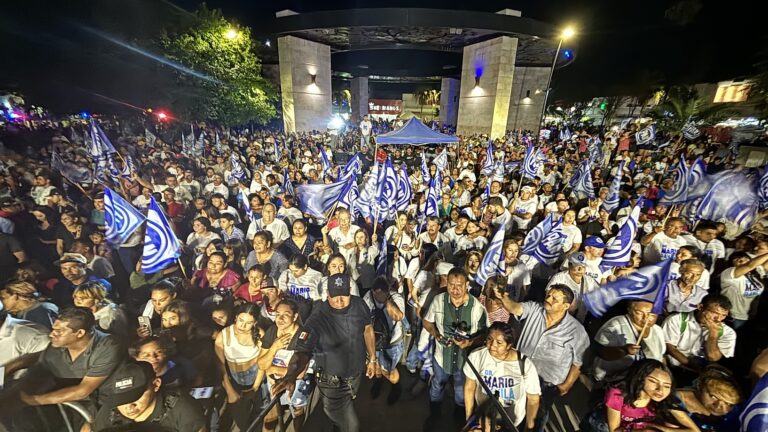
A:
567,33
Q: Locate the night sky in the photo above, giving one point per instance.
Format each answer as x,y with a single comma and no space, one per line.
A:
622,45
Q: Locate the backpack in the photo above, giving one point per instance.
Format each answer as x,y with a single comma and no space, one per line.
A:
381,328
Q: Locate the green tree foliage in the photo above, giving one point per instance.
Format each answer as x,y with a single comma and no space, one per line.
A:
681,104
228,87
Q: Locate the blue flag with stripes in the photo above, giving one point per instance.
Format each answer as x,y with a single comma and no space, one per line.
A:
551,245
404,191
351,196
647,283
386,192
487,169
646,135
441,161
532,161
690,131
618,251
679,192
120,217
611,202
536,235
754,416
424,169
161,247
354,166
236,173
565,134
492,260
433,197
732,197
364,206
381,259
318,199
101,146
287,185
582,186
243,198
762,189
326,162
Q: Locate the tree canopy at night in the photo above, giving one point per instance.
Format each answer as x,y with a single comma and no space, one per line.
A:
227,86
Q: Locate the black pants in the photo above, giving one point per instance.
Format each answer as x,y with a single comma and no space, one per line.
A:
338,397
244,410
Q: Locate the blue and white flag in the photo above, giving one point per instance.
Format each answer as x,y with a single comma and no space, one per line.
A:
354,166
532,161
486,195
441,161
762,189
499,170
648,283
75,174
101,146
582,186
351,196
365,204
161,247
551,245
424,169
287,185
492,260
386,190
318,199
536,235
433,197
625,123
611,202
236,173
698,180
217,144
487,169
120,217
646,135
245,202
565,134
679,192
325,161
404,191
276,150
595,148
149,137
618,251
690,131
198,149
732,197
754,416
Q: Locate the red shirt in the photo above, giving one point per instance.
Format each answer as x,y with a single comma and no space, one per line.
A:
242,293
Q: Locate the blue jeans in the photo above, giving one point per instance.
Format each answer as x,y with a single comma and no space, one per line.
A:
390,357
412,361
439,381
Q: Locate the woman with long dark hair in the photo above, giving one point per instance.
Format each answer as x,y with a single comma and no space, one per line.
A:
640,402
238,348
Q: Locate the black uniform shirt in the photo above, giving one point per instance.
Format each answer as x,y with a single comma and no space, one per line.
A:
176,412
340,346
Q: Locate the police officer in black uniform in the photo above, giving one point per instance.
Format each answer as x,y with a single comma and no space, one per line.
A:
344,347
136,403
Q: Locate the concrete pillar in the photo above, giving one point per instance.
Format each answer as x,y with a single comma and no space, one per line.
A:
359,90
486,86
305,84
449,101
529,86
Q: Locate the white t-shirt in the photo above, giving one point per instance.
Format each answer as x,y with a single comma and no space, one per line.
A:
528,206
307,285
703,283
423,281
506,378
691,341
662,247
618,332
573,236
277,228
341,239
518,277
741,291
714,250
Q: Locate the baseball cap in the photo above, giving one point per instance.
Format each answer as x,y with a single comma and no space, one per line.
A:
578,259
339,285
595,241
268,282
129,382
443,268
53,192
71,257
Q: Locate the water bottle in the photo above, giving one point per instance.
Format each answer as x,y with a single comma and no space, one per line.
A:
300,394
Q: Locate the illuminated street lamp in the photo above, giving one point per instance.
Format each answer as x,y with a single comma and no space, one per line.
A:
231,34
566,34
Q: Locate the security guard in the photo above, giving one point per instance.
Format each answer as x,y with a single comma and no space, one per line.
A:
137,403
343,337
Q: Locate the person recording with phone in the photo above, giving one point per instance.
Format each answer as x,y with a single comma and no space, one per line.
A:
457,321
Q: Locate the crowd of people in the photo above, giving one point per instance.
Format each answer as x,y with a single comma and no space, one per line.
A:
267,304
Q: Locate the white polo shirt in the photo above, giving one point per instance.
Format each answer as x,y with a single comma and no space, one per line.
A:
690,341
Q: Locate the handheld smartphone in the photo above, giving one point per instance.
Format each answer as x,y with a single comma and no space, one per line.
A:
144,321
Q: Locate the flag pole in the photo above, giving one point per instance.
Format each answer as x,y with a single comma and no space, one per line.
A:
640,335
181,267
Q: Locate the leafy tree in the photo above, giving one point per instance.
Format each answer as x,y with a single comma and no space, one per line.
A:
220,74
680,104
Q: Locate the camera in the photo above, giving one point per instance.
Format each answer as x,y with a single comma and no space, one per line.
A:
459,330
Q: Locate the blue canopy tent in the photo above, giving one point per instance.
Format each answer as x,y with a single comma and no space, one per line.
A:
414,132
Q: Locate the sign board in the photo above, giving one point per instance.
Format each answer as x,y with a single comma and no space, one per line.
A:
385,106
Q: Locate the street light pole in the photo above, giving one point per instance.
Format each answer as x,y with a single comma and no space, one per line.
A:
549,84
567,33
